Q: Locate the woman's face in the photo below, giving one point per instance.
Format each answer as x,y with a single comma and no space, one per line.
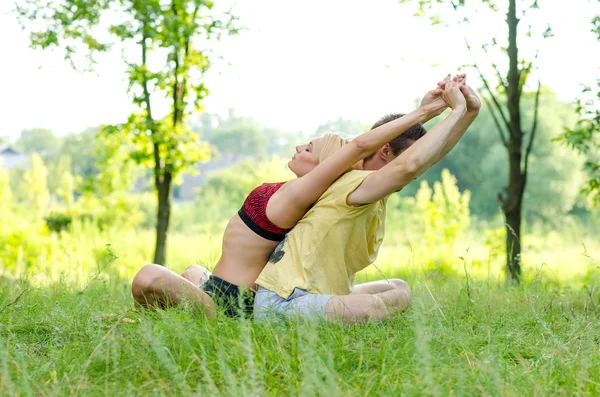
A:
306,158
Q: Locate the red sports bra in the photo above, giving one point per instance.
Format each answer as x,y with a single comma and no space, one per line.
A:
254,212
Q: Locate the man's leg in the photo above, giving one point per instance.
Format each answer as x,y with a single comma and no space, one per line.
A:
375,300
155,285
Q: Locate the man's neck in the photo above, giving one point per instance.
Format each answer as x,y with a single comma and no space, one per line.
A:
373,164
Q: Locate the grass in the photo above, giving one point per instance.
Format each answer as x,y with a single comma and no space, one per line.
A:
462,336
68,326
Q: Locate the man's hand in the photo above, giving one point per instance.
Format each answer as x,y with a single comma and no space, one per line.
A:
473,101
452,95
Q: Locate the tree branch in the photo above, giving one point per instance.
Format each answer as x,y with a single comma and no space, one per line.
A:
149,120
496,102
498,74
533,129
496,121
526,71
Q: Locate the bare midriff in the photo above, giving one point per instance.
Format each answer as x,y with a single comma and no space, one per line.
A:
244,254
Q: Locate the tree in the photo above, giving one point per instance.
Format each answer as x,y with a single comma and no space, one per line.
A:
6,196
240,135
150,32
510,79
585,137
37,140
35,183
480,165
348,128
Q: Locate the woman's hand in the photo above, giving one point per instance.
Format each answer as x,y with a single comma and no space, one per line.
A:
432,103
452,94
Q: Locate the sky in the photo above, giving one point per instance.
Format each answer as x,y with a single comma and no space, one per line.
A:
299,64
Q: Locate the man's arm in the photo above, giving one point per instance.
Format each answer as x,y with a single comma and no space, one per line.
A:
289,205
419,157
473,106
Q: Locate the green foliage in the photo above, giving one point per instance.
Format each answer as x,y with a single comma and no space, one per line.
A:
6,196
223,194
585,138
66,189
37,140
83,151
346,128
443,212
172,35
36,186
240,136
57,221
461,337
480,164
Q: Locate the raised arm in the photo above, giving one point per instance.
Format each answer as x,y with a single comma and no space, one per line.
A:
418,158
473,106
290,204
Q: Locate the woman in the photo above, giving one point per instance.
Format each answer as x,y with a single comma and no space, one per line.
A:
268,213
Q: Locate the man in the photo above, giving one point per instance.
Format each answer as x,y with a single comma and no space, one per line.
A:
312,271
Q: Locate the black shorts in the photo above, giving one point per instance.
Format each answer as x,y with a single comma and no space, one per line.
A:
230,297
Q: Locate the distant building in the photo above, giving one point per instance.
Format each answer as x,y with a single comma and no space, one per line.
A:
11,159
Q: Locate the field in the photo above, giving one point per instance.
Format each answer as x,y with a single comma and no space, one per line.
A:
68,327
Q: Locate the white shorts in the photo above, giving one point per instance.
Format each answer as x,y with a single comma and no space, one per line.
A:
300,303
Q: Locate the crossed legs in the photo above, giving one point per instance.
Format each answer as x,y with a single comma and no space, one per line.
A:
377,300
156,286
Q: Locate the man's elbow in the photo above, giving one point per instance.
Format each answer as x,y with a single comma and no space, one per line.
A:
364,146
406,172
412,168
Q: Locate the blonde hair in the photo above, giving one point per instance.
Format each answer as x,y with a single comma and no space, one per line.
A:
331,143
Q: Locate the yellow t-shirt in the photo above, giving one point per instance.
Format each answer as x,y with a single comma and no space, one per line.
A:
333,242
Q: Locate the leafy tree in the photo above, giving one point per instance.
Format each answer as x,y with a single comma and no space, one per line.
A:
585,137
66,188
35,183
6,196
171,34
240,135
480,164
348,128
81,149
37,140
444,212
508,81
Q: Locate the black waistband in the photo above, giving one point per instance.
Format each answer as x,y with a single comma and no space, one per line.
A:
227,296
257,229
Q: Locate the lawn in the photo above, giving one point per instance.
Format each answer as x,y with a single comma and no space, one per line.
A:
461,336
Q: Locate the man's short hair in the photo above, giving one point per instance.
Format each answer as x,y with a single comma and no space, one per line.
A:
403,141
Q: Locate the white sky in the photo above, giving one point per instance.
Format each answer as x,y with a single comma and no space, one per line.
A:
299,64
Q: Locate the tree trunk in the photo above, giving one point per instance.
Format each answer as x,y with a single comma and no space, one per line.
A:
512,209
512,202
163,189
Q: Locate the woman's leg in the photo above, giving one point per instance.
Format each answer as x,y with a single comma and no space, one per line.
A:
155,285
196,274
375,300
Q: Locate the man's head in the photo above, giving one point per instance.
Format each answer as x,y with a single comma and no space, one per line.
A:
391,150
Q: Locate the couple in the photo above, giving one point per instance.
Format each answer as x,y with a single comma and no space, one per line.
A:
336,207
